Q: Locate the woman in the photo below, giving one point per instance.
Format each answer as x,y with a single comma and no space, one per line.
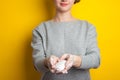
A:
65,38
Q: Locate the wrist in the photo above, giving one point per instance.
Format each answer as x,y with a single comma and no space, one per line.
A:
77,61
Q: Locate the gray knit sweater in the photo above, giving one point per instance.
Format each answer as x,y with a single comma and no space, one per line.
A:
57,38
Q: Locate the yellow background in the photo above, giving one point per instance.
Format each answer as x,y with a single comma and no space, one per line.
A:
19,17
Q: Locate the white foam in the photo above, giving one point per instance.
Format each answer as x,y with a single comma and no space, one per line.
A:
60,65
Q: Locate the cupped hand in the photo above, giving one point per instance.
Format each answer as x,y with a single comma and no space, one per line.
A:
51,62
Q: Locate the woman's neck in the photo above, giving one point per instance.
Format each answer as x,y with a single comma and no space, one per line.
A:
63,16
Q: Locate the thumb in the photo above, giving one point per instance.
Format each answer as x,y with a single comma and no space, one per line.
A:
69,63
52,61
64,56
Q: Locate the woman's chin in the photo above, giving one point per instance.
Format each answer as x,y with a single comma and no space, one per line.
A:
64,10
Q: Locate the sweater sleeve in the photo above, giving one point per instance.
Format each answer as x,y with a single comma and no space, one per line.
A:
92,57
38,54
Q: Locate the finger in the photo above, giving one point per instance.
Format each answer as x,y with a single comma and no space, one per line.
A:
61,72
56,60
64,56
69,63
52,60
64,71
58,71
50,68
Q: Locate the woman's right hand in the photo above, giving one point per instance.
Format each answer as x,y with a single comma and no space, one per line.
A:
51,61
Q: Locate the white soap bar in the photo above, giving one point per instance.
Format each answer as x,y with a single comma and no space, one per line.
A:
60,65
